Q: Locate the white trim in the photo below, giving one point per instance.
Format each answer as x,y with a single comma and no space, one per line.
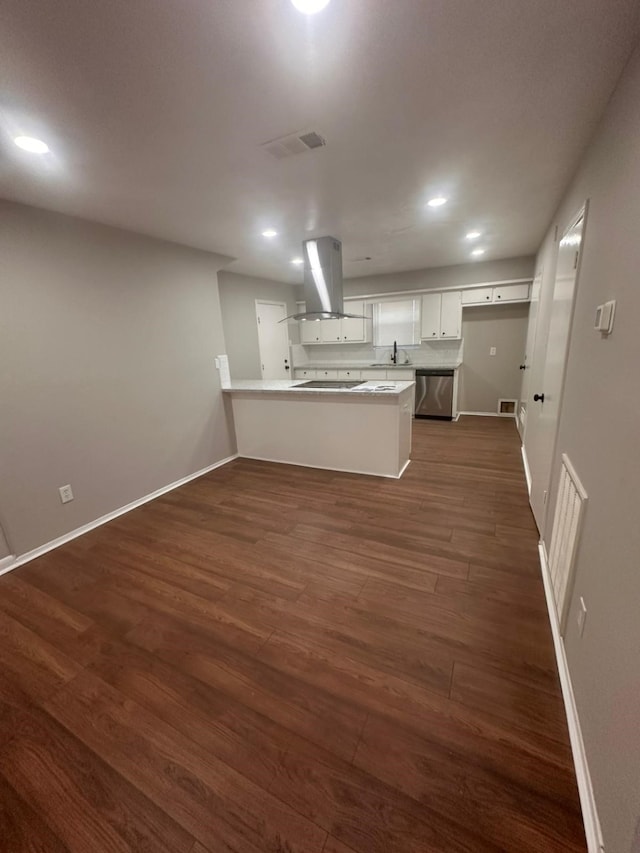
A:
403,469
527,470
327,468
418,290
5,562
283,305
512,414
79,531
482,414
590,819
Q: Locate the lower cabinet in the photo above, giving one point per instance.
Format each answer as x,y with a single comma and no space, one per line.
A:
354,373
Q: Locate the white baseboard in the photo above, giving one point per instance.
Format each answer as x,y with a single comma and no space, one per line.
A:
527,470
592,829
483,414
5,562
79,531
327,468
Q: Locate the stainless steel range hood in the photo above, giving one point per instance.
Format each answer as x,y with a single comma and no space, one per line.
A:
322,280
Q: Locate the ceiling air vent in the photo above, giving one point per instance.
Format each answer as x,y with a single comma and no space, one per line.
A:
295,143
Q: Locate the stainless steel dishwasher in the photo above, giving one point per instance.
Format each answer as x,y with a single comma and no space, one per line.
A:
434,393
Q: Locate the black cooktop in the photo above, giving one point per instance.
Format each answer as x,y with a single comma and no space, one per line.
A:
327,383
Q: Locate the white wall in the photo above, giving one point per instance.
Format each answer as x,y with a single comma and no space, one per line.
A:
107,378
238,294
600,431
478,272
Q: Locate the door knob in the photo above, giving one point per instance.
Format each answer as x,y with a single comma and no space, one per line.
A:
523,367
538,398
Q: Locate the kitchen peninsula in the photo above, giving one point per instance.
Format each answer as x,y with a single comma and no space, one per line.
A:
364,429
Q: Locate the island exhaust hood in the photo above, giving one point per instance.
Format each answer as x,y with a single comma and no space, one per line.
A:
322,280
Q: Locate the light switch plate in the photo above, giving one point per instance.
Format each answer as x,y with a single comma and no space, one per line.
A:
492,351
66,494
604,317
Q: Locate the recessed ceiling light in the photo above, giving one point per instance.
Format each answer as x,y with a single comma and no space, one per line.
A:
29,143
269,233
438,201
473,235
310,7
477,252
297,261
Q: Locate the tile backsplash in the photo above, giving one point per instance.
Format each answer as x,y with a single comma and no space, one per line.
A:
427,353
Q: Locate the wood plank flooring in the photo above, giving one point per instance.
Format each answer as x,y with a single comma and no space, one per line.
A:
274,659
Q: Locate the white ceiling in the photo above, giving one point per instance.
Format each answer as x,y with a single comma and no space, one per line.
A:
154,111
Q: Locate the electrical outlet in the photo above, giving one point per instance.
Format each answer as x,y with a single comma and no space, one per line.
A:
66,494
492,351
582,616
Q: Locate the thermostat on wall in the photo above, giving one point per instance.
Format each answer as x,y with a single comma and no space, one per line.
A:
604,317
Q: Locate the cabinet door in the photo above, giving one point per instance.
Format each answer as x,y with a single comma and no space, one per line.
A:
477,296
310,332
373,374
305,373
353,331
331,331
401,375
349,374
327,374
451,315
511,293
430,325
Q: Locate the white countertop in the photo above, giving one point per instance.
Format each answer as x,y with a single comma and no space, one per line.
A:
359,365
270,386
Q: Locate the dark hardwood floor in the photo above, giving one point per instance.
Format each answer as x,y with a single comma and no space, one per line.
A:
274,659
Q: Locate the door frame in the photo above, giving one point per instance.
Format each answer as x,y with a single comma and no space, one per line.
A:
571,223
282,305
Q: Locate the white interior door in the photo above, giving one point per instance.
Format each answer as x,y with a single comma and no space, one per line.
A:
527,359
273,340
547,376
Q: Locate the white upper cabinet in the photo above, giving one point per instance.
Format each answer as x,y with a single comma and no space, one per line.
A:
356,330
431,307
451,315
441,316
493,295
311,331
331,331
477,296
511,293
346,331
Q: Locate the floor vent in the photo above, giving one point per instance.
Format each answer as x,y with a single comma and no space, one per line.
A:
294,143
570,507
507,408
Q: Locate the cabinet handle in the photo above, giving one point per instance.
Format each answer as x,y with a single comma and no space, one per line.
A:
538,398
523,367
499,297
433,333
